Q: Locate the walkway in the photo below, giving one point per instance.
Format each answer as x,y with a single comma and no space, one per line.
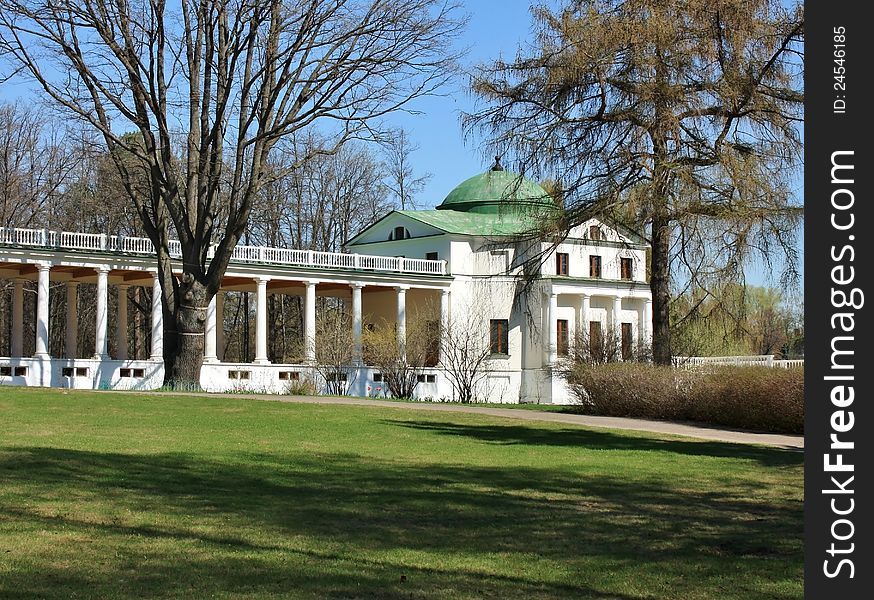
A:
792,442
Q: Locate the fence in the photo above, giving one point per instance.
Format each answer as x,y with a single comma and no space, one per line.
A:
762,360
66,240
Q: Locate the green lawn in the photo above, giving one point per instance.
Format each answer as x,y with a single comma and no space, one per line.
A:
110,495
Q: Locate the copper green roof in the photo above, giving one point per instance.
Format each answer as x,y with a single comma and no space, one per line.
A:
472,223
497,192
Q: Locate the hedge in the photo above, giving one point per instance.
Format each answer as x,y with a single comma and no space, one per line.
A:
755,398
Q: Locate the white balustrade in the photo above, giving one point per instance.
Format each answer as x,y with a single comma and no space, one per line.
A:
67,240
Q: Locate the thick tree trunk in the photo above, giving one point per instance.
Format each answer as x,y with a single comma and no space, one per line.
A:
661,292
190,324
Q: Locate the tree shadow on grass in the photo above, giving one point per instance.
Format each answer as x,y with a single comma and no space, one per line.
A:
344,526
593,439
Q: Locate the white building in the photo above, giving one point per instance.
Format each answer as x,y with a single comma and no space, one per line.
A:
465,258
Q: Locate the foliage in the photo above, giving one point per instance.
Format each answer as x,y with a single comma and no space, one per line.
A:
757,398
677,117
127,495
401,364
738,320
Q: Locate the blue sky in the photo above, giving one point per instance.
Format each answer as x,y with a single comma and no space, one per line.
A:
494,29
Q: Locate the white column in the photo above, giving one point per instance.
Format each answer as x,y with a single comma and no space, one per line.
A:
356,322
157,320
402,320
444,324
617,326
102,313
585,311
42,311
309,323
209,332
121,340
220,325
646,323
71,337
17,341
261,322
552,324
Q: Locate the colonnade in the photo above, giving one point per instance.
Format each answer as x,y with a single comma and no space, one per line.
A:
583,315
101,345
214,333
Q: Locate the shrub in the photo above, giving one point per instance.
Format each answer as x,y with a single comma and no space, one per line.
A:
757,398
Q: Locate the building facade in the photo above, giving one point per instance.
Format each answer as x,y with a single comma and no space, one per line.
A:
473,264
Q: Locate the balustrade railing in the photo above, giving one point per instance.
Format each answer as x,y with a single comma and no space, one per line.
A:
66,240
763,360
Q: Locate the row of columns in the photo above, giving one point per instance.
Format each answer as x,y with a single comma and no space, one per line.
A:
215,312
585,309
214,335
72,317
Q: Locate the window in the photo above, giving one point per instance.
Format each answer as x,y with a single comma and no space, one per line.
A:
68,372
20,371
5,371
139,372
432,256
124,372
561,263
561,326
626,341
239,374
595,341
595,266
626,268
377,376
498,336
399,233
594,232
289,375
81,371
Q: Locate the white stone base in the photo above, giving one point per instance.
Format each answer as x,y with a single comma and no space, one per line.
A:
498,386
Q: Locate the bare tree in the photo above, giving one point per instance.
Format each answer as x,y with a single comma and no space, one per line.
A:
402,365
37,164
466,348
334,347
679,116
210,88
400,178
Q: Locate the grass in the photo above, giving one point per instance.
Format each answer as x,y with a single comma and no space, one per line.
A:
112,495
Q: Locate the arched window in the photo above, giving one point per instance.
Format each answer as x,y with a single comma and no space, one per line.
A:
594,232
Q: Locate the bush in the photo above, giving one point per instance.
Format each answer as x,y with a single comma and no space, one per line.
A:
758,398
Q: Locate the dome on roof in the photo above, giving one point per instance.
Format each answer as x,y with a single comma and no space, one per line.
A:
494,191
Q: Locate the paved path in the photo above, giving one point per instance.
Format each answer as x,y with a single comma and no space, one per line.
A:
703,432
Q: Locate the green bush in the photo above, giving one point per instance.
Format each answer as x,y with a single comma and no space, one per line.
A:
757,398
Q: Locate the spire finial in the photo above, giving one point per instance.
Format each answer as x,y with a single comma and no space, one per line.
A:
497,166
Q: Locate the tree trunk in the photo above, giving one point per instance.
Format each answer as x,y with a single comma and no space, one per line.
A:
190,327
661,294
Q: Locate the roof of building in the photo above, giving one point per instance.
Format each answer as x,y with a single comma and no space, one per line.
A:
494,203
497,192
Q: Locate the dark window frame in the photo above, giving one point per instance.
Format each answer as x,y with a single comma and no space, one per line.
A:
626,268
595,266
562,263
562,327
499,336
627,340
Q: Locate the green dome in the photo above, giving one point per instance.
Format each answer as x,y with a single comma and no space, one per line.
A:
495,191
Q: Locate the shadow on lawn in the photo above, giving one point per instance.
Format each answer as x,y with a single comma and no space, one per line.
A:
594,439
343,526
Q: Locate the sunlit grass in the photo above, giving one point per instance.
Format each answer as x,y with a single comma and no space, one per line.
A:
110,495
